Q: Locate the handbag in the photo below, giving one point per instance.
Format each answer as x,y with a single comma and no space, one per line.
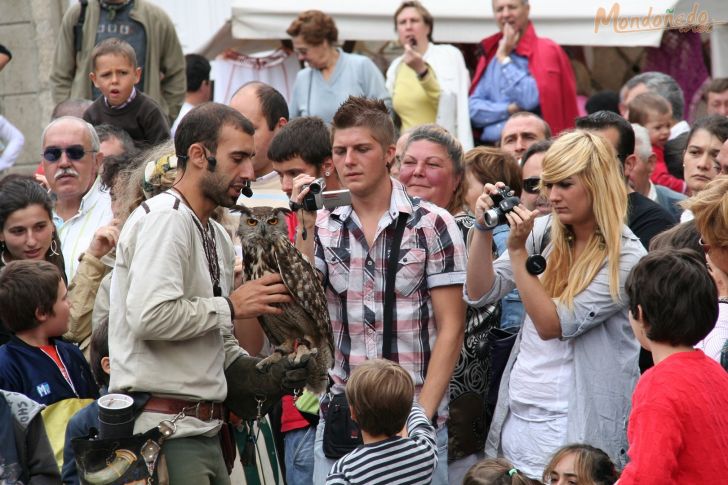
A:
341,433
121,461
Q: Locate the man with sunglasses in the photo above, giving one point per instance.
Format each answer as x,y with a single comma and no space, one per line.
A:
531,168
71,161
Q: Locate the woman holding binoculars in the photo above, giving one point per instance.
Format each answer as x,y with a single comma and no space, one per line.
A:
573,367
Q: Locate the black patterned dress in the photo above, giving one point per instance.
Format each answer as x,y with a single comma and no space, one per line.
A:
468,422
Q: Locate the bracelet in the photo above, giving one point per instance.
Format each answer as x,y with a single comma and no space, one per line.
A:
232,308
481,227
423,75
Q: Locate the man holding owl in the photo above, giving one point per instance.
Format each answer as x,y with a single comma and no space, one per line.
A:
173,302
350,247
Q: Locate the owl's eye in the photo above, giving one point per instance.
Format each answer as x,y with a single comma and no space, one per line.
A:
273,221
252,222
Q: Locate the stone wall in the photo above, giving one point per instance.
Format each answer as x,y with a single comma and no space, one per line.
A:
28,28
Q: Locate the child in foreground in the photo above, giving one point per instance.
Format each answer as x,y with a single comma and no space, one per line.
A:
581,464
381,399
496,471
115,72
35,362
81,423
678,426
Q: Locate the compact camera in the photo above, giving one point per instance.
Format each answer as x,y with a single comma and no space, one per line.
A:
503,203
317,198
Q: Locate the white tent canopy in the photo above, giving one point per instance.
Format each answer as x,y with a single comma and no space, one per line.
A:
568,22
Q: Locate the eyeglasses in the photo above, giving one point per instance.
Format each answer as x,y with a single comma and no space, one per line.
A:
531,185
704,246
73,152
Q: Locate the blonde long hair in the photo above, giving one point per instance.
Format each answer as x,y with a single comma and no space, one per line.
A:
591,158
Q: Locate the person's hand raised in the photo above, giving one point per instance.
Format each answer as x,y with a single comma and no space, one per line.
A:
414,59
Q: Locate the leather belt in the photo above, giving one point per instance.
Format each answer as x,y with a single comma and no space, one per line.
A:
202,410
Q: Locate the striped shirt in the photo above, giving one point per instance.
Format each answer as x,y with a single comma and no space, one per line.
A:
432,254
394,461
77,232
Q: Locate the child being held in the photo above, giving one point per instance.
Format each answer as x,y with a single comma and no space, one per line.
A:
655,113
381,399
35,362
115,72
678,425
81,423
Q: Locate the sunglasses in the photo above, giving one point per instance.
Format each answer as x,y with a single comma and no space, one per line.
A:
73,152
531,185
704,246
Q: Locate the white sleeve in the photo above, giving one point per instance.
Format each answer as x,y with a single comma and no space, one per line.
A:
14,142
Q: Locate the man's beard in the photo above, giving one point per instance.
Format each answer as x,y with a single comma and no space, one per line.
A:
215,187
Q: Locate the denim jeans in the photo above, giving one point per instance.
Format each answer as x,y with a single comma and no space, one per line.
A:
299,455
323,465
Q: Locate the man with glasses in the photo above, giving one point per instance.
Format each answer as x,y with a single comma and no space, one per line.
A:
71,161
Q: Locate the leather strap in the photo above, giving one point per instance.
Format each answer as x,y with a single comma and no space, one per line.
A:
389,285
202,410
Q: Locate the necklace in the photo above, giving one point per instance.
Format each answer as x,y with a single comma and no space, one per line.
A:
208,245
723,299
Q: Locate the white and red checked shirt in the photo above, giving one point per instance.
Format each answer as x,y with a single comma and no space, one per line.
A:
432,254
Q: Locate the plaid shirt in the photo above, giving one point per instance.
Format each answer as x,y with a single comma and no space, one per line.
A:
432,254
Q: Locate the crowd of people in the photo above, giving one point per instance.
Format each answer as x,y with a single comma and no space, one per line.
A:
516,294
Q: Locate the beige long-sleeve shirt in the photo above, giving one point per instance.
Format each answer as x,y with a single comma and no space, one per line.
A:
168,334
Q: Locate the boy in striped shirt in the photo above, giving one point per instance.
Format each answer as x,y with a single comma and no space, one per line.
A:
381,399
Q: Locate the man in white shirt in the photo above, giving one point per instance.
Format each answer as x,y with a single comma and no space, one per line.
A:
199,89
71,161
267,109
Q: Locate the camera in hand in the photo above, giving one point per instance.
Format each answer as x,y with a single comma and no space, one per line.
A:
317,198
503,203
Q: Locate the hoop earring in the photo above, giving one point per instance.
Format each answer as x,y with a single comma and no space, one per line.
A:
54,248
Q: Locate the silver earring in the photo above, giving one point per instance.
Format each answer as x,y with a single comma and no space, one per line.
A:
54,248
327,173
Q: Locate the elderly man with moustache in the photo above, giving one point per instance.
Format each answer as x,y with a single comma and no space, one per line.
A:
71,160
520,72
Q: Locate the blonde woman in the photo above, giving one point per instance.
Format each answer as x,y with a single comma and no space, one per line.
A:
574,365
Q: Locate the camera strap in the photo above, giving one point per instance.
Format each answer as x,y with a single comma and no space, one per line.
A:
390,278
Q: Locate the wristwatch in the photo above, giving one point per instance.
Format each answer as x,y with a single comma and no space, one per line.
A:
423,75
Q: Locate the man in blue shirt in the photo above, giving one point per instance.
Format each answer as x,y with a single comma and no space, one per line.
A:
520,71
506,87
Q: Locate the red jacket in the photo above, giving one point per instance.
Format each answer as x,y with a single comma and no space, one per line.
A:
551,69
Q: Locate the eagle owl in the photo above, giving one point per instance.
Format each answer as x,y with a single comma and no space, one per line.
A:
304,326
